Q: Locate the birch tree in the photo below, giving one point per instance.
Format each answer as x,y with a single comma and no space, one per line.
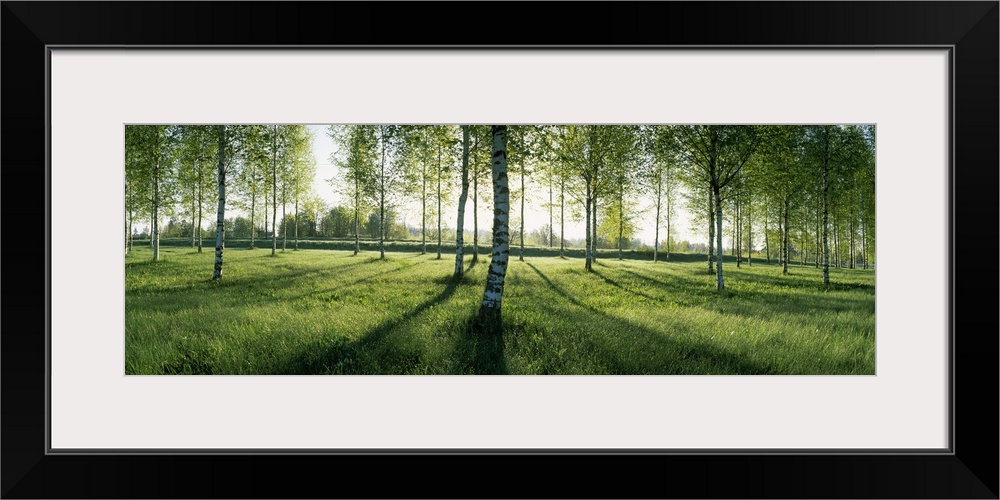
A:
389,175
479,164
582,149
717,153
442,140
252,179
490,309
220,220
460,225
355,158
823,144
660,182
152,157
275,137
138,180
300,170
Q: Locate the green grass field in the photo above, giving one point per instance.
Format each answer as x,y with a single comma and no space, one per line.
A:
316,311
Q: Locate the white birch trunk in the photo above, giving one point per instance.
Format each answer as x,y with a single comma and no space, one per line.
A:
155,236
475,215
284,221
493,294
588,263
201,184
719,283
220,219
357,215
659,200
552,234
274,191
711,232
459,236
562,217
423,210
381,210
439,175
593,257
826,209
784,238
524,165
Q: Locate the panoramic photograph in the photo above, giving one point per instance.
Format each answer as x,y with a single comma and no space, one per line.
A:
581,249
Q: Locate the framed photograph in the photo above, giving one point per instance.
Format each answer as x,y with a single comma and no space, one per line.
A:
83,416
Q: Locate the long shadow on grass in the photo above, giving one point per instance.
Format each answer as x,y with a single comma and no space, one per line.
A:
380,351
480,353
328,293
683,290
620,286
798,281
663,354
791,298
677,283
289,277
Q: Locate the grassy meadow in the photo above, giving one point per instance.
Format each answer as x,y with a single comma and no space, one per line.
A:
321,311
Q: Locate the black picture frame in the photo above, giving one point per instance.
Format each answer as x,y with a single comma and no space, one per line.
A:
969,471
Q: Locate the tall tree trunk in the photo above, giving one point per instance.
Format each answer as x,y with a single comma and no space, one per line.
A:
589,249
750,234
296,218
621,220
423,213
284,222
156,202
274,190
732,235
201,185
802,254
489,310
819,249
357,214
220,220
439,201
850,262
128,233
711,233
562,217
459,242
864,242
784,237
475,214
594,226
552,234
720,284
826,209
381,200
520,255
194,216
739,233
669,216
253,222
656,230
767,239
836,241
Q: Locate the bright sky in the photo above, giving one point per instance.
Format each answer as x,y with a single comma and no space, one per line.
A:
536,213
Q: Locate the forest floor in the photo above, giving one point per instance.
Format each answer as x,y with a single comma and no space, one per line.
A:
328,312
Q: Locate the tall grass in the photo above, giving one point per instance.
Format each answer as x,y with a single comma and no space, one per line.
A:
327,312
